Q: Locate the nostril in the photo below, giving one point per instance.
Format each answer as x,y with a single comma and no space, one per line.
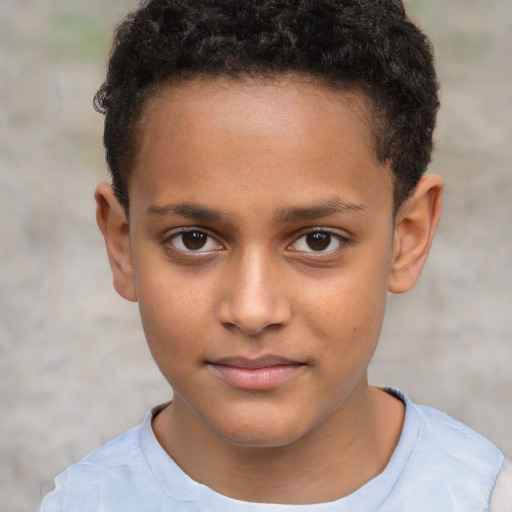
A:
253,319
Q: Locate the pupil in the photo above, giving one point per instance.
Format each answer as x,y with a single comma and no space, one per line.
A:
318,241
194,240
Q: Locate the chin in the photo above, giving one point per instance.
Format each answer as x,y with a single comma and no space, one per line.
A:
259,431
259,439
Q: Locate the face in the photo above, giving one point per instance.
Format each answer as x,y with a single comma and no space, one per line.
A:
261,232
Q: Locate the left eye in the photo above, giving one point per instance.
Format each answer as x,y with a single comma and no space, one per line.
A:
194,240
318,241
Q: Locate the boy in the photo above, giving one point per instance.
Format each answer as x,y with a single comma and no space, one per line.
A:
267,163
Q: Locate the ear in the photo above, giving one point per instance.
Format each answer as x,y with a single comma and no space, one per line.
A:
416,224
111,219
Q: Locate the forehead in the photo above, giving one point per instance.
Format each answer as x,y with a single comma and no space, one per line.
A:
257,136
290,97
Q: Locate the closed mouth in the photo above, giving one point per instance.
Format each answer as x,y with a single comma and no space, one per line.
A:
256,363
262,373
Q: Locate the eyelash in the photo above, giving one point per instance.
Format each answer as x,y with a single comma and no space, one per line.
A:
341,240
192,230
333,235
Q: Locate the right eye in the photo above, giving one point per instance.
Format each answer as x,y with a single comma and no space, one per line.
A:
193,240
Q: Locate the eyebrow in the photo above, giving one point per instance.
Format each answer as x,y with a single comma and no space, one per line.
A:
317,211
194,211
191,211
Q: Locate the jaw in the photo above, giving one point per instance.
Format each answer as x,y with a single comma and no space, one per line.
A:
249,464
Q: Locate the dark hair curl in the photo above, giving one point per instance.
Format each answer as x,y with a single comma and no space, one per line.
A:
367,45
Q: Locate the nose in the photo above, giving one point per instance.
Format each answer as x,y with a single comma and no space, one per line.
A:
254,299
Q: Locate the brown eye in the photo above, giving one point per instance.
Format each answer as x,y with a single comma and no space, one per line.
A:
318,241
321,241
194,240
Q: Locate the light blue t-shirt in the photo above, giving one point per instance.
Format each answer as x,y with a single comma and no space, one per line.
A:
439,465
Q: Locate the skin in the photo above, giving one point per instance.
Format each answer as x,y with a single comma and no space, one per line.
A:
261,171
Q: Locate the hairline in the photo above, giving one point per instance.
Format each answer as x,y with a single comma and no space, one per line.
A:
356,88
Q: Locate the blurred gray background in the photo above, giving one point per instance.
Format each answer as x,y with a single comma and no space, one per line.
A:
74,368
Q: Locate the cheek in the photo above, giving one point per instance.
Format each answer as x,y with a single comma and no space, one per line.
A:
172,311
347,309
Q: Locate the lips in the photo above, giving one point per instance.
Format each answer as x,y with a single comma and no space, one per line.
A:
260,374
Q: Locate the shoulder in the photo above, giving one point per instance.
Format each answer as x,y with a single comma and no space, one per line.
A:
450,465
449,437
110,466
119,451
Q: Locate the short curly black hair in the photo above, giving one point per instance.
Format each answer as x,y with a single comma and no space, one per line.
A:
365,45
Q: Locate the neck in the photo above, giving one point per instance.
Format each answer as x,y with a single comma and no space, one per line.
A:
349,448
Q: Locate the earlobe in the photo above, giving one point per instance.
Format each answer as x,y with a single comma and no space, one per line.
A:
416,225
111,219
